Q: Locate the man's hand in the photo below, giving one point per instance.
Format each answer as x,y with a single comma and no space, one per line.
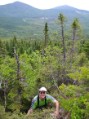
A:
57,108
56,113
29,112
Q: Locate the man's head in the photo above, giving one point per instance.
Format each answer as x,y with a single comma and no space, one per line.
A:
42,92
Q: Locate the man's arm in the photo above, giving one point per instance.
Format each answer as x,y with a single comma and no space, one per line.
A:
57,107
29,111
33,105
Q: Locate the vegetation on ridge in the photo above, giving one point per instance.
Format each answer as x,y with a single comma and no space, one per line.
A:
60,62
21,20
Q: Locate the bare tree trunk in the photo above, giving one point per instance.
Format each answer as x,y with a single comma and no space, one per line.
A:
73,42
5,98
18,64
18,76
72,50
63,43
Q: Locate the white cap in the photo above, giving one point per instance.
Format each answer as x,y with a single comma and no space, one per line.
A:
43,89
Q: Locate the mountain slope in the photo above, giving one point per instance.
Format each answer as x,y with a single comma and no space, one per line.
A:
18,9
24,20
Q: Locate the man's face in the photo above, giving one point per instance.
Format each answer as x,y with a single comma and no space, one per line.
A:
42,94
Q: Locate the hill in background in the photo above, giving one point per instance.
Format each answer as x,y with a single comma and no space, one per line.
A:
22,20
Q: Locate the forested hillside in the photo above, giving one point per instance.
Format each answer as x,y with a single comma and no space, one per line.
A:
22,20
59,61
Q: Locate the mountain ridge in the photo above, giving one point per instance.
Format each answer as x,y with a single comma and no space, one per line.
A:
22,19
19,3
16,7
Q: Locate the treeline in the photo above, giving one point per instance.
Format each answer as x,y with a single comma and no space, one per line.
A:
59,62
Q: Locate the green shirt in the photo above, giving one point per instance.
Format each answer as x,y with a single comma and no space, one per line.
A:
49,99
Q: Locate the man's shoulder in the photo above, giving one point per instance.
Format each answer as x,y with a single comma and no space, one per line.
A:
35,98
49,97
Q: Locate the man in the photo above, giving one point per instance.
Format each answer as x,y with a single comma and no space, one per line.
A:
43,100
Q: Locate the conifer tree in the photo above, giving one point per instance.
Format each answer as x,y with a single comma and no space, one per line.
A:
75,27
61,18
46,33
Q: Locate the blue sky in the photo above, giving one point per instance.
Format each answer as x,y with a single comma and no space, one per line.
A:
46,4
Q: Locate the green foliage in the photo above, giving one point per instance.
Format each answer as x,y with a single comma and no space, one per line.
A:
41,66
84,47
81,60
82,73
42,114
76,102
30,24
2,113
75,24
14,115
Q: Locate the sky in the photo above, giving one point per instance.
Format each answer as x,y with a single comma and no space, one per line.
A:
47,4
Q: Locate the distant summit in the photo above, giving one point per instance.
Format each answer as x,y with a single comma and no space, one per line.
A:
19,18
19,9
